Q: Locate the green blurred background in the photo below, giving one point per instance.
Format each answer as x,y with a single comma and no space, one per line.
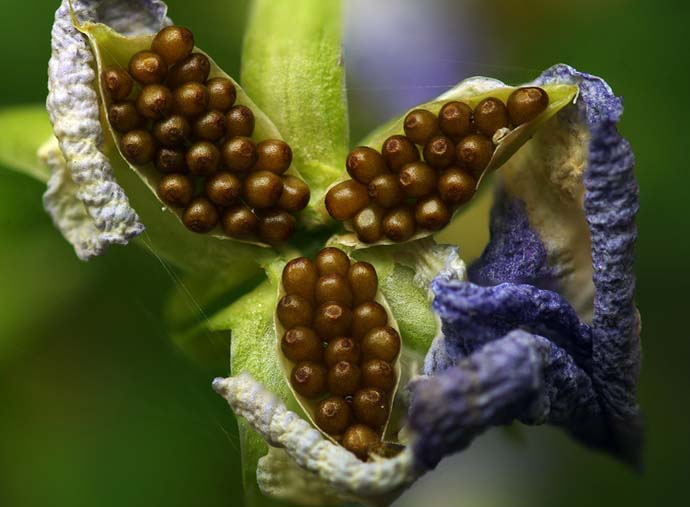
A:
98,408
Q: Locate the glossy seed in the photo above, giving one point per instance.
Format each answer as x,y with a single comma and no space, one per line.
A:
116,82
381,342
342,349
333,415
301,344
367,316
417,179
385,190
456,186
193,68
345,199
368,223
273,155
397,151
221,94
333,287
431,213
190,99
364,282
474,152
370,406
262,189
138,146
240,222
210,126
203,158
293,310
295,196
123,116
308,378
200,216
332,320
490,115
173,43
455,119
364,164
147,67
170,160
276,226
332,260
175,190
299,277
359,439
240,121
344,378
154,101
525,104
420,125
379,374
439,152
172,131
223,189
239,154
399,224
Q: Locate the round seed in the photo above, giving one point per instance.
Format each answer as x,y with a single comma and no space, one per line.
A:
299,277
273,155
223,188
456,186
475,152
344,378
367,316
345,199
138,146
173,43
332,320
370,406
417,179
397,151
240,222
333,415
221,94
332,260
154,102
525,104
170,160
117,82
176,190
381,342
172,131
364,282
240,121
276,226
301,344
359,439
399,224
147,67
420,125
455,119
333,287
439,152
368,223
295,196
379,374
342,349
203,158
431,213
364,164
262,189
308,378
193,68
123,116
200,216
294,310
490,115
385,190
210,126
239,154
190,99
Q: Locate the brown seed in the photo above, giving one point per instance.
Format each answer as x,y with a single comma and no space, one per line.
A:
173,43
385,190
439,152
273,155
456,186
474,152
364,164
221,94
333,287
172,131
490,115
147,67
370,406
525,104
344,378
368,223
295,196
342,349
239,154
332,320
359,439
176,190
345,199
210,126
117,82
381,342
301,344
194,68
138,146
397,151
262,189
223,188
431,213
455,119
240,222
364,282
170,160
201,215
154,101
332,260
190,99
293,310
379,374
276,226
367,316
123,116
203,158
240,121
299,277
417,179
420,125
333,415
308,378
399,224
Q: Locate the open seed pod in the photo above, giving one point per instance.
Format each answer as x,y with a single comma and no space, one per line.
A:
340,350
410,177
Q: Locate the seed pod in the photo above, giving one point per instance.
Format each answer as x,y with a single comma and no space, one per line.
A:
301,344
190,99
364,282
417,179
239,154
364,164
203,158
399,224
456,186
309,379
223,189
262,189
344,378
525,104
439,152
300,277
333,415
420,125
333,287
170,160
173,43
210,126
147,67
172,131
474,152
138,147
367,316
240,121
490,115
342,349
276,226
273,155
455,119
293,310
332,320
385,190
123,116
116,82
345,199
154,101
381,342
194,68
332,260
221,94
359,440
240,222
370,406
295,196
397,151
431,213
379,374
200,216
175,190
368,223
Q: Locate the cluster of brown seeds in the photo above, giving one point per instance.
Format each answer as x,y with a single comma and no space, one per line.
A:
394,192
171,114
340,344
